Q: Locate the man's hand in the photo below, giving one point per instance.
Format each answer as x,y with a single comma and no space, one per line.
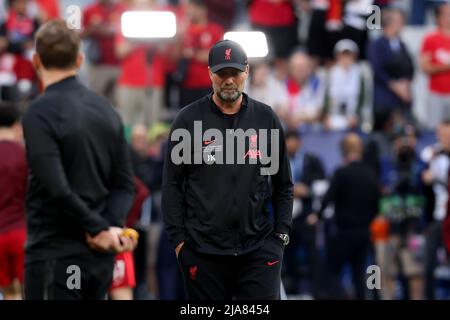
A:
402,89
178,248
102,242
111,240
427,177
312,219
122,243
301,190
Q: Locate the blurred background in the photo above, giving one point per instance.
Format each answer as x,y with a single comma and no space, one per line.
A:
377,69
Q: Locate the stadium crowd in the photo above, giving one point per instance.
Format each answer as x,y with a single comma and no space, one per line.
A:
370,171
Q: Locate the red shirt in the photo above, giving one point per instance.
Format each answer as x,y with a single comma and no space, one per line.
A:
107,16
200,37
293,90
270,14
50,7
13,185
137,72
18,27
437,45
23,68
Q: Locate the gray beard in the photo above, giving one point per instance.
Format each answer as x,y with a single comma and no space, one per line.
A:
229,97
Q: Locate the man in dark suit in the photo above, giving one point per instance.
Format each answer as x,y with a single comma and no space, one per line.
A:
393,69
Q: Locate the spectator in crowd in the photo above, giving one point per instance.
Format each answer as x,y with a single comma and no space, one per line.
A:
306,92
354,18
2,11
324,29
436,176
264,87
402,204
147,159
19,28
419,10
393,70
221,12
199,35
345,88
141,80
100,25
278,21
435,62
13,185
8,77
48,10
383,3
302,275
124,274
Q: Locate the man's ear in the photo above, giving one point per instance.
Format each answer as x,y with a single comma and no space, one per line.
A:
36,61
210,73
80,60
247,71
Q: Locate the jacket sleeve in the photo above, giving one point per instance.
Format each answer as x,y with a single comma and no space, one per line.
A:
122,191
331,194
173,191
45,165
283,189
376,55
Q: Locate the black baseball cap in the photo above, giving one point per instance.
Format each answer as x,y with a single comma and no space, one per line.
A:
227,54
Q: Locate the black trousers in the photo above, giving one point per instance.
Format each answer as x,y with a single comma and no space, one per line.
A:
55,279
433,241
348,246
253,276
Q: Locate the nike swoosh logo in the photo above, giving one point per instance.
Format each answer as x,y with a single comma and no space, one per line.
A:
271,263
206,142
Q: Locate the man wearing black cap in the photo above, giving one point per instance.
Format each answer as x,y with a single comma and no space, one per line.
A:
216,212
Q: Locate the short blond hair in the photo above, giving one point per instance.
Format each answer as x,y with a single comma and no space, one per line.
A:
351,144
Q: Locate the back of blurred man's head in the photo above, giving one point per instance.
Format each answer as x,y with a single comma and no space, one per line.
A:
352,146
57,46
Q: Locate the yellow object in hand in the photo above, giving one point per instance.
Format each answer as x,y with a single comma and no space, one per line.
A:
130,233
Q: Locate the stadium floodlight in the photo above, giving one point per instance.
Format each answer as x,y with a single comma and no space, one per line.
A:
253,42
148,24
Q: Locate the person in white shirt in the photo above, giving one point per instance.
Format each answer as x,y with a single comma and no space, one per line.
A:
344,87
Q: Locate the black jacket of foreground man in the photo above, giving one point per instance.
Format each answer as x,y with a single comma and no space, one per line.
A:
223,208
80,173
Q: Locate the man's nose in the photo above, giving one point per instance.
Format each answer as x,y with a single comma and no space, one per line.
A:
229,80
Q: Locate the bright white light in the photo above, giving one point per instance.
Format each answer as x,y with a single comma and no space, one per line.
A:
148,24
253,42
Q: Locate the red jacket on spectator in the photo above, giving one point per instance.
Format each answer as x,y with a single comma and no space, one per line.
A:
50,9
200,37
108,18
271,14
